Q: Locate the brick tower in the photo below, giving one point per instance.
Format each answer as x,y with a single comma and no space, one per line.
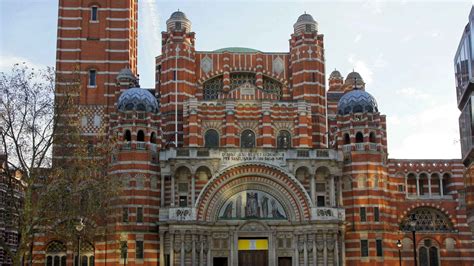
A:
308,75
176,82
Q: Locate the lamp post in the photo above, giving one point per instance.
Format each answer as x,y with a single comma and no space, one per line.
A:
79,227
399,246
413,230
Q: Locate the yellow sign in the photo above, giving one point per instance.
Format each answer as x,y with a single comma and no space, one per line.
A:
253,244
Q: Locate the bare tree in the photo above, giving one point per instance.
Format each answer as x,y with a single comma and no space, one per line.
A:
58,186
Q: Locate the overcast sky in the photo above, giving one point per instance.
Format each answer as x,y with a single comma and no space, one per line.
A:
403,49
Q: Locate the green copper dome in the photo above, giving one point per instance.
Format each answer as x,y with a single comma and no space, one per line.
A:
236,50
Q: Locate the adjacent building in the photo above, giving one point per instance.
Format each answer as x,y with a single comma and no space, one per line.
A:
246,157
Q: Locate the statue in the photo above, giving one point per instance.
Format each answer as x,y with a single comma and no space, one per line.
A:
238,206
264,207
251,209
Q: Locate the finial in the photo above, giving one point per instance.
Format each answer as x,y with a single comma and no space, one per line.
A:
305,12
178,9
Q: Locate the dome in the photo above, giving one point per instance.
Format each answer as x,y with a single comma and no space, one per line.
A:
306,18
335,75
178,22
305,24
357,101
137,99
353,75
178,15
126,74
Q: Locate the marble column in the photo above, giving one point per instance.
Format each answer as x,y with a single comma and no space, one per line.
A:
336,250
162,250
417,186
173,196
315,251
296,261
441,192
325,251
332,192
313,190
208,250
305,250
171,248
182,251
339,192
193,252
193,190
201,252
429,185
343,249
162,191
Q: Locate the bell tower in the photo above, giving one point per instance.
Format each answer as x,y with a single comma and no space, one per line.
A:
176,84
307,67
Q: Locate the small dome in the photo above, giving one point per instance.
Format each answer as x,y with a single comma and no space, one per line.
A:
126,74
305,24
178,15
137,99
306,18
355,79
357,101
353,75
178,22
335,75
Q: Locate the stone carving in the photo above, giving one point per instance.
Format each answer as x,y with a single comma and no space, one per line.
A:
252,204
278,65
206,64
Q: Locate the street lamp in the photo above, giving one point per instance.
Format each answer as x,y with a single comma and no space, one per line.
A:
399,246
79,227
413,230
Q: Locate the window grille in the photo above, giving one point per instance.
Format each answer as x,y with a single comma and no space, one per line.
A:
212,88
238,79
427,219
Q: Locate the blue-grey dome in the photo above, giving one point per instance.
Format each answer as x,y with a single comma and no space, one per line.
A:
178,15
137,99
306,18
357,101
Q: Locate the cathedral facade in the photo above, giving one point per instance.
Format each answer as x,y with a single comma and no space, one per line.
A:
245,157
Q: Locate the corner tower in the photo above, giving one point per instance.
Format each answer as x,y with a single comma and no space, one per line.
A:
307,69
176,83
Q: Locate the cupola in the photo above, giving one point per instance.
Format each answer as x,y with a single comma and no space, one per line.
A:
305,24
178,22
137,99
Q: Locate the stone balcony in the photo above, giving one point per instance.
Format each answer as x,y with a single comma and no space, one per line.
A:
178,214
328,214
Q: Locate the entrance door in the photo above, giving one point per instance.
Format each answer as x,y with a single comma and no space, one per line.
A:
220,261
284,261
253,257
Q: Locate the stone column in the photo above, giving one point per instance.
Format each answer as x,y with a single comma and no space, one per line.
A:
201,252
313,190
406,186
332,192
305,250
272,256
315,251
295,243
208,250
182,251
336,250
162,250
417,186
429,185
339,192
193,190
173,196
325,251
343,249
162,191
441,192
171,248
193,252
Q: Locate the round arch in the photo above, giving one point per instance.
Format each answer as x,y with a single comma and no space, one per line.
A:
262,177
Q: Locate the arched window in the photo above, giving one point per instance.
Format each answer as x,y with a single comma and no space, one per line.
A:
359,137
446,178
211,139
87,255
284,140
428,220
92,80
127,136
94,13
153,137
56,254
140,136
347,139
428,254
247,139
212,88
372,137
